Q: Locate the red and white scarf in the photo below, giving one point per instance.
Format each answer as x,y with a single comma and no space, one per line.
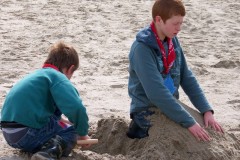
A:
167,60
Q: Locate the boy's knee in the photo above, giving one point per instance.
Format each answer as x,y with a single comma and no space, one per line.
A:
139,125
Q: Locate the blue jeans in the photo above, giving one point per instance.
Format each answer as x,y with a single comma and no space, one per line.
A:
33,140
139,125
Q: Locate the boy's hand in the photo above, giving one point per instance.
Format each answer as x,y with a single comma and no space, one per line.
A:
84,138
65,120
210,121
199,133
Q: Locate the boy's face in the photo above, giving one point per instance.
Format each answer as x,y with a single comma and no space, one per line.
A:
172,26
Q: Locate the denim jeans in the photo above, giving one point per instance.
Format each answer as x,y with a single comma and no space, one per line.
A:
139,125
33,140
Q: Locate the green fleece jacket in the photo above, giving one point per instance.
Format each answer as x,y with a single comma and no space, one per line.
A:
36,97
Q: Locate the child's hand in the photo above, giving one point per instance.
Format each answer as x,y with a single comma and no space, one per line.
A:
199,133
65,120
84,138
210,121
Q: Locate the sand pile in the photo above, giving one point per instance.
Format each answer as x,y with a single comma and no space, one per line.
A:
167,140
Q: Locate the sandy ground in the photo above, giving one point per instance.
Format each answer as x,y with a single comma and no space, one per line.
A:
102,32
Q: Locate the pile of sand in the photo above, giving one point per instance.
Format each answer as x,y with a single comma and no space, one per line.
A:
167,140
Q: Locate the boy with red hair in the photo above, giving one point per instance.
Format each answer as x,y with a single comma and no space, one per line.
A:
158,68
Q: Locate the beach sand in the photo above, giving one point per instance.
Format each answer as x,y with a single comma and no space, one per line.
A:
102,33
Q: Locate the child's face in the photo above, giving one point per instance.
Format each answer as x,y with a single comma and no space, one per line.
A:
172,26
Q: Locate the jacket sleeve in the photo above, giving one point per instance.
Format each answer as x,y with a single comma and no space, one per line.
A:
192,88
68,101
145,66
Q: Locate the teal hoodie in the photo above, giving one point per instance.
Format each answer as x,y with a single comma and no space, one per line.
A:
146,81
39,95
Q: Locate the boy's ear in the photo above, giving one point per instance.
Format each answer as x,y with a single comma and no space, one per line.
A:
158,19
71,69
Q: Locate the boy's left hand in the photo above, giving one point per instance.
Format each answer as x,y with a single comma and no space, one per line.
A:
210,121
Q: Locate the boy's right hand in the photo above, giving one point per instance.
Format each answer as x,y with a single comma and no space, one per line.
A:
199,133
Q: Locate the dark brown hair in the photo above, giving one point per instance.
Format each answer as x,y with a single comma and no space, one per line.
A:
62,56
167,8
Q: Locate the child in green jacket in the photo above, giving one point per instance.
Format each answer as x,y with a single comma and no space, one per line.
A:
31,113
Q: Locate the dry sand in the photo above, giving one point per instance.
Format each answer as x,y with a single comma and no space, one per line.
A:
102,32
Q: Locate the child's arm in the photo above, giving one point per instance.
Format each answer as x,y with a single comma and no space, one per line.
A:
65,120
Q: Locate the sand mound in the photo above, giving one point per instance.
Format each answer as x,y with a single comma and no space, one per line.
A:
227,64
167,140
